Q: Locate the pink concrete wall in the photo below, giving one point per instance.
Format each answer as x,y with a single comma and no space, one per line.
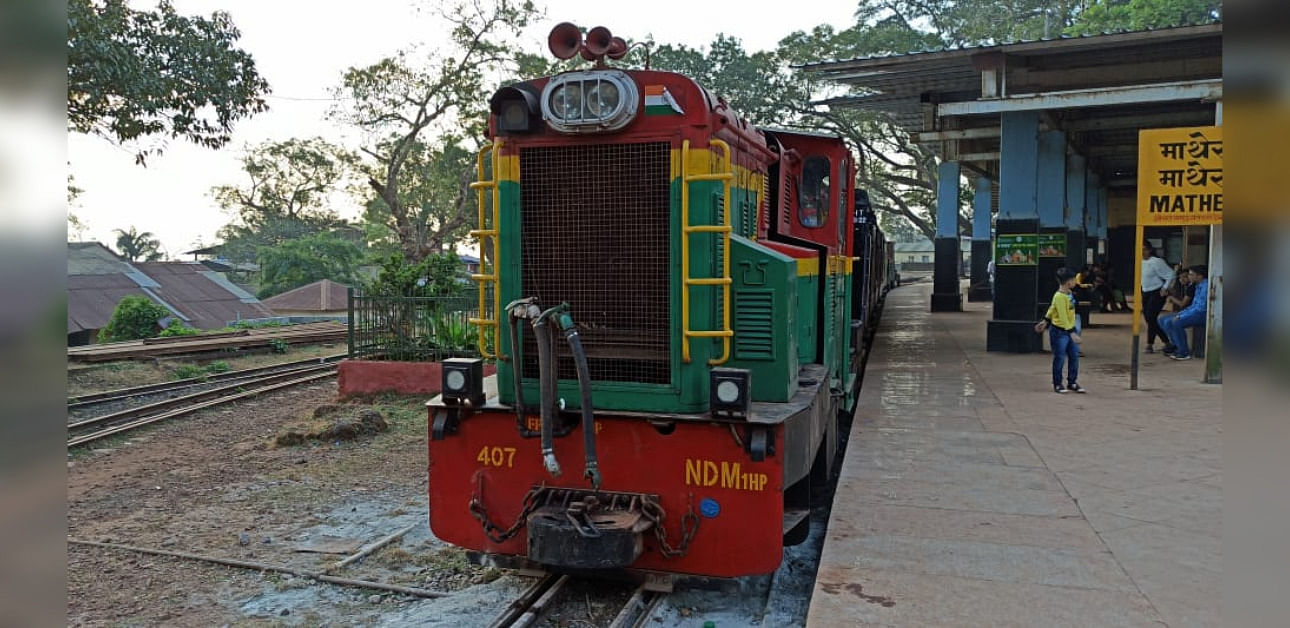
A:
365,377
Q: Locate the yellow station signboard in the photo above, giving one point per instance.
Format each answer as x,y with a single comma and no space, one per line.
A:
1180,176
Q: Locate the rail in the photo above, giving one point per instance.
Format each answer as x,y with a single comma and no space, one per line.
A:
484,319
687,229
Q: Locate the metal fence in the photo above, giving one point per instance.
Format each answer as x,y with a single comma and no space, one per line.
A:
411,328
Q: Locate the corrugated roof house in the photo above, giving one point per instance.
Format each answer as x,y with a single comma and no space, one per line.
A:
320,298
97,280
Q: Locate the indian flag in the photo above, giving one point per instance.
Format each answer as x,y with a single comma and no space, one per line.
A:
660,103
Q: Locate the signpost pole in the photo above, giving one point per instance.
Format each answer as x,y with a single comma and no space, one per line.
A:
1137,304
1214,310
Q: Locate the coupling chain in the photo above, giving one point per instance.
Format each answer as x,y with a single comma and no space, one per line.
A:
494,532
653,511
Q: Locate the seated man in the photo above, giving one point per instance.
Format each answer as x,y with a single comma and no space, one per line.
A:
1178,296
1192,316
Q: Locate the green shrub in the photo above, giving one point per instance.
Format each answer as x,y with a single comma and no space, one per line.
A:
134,318
218,366
189,371
177,328
278,345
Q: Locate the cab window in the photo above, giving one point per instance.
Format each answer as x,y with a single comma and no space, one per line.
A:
813,195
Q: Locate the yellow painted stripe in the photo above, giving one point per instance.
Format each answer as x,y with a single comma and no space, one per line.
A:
808,266
508,168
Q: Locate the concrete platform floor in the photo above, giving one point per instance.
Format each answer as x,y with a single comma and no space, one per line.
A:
972,495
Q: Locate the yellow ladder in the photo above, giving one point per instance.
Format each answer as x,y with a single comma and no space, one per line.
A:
486,318
725,333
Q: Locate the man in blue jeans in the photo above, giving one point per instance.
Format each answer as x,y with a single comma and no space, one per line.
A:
1193,315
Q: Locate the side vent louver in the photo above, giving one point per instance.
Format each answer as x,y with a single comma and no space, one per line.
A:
754,325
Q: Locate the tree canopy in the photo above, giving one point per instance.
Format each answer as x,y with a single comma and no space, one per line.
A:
137,246
133,73
288,193
418,109
307,259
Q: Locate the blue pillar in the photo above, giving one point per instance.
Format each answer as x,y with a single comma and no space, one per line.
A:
1014,283
982,206
1075,176
945,273
1050,174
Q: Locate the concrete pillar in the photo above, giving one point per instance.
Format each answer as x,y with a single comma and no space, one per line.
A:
1091,184
1075,176
1014,283
982,245
1101,214
1051,198
945,272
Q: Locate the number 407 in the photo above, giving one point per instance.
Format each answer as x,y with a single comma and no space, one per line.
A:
496,456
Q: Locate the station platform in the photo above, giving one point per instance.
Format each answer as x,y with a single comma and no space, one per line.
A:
973,495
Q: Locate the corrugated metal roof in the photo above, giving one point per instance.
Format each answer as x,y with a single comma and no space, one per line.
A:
97,280
207,304
320,296
1020,45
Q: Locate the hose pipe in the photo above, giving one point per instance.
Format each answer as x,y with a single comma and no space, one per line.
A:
519,309
592,466
546,359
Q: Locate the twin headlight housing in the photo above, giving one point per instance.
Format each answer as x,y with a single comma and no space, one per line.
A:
598,100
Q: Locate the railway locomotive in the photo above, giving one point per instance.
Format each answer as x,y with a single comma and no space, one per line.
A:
678,305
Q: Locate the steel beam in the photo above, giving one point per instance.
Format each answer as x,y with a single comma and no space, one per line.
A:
990,156
1208,89
958,134
1141,121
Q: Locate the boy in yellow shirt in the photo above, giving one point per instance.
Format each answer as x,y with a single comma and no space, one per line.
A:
1062,334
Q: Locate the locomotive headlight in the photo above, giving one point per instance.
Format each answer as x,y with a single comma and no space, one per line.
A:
566,102
602,98
731,392
463,381
590,102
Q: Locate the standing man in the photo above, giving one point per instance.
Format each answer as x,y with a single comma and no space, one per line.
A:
1156,276
989,269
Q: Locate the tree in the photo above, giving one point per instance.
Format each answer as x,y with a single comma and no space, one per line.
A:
1109,15
132,74
136,246
415,106
135,317
305,260
76,227
438,275
289,189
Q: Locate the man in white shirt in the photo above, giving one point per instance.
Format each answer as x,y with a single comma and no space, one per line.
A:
989,269
1156,276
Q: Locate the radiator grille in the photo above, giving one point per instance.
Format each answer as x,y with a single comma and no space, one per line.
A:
754,324
595,226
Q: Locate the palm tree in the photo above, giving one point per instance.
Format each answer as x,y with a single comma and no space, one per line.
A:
135,246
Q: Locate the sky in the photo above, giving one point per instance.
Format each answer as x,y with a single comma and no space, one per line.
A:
301,48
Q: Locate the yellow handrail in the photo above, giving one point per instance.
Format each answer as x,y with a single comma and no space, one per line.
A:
483,321
725,333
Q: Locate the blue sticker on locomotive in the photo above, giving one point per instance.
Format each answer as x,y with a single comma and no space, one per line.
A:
709,507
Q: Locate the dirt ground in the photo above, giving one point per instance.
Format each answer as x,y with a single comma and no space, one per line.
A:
214,484
95,377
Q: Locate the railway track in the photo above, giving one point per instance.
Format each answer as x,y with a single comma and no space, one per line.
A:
542,596
83,431
88,400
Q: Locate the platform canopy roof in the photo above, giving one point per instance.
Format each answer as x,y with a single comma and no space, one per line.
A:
1100,89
